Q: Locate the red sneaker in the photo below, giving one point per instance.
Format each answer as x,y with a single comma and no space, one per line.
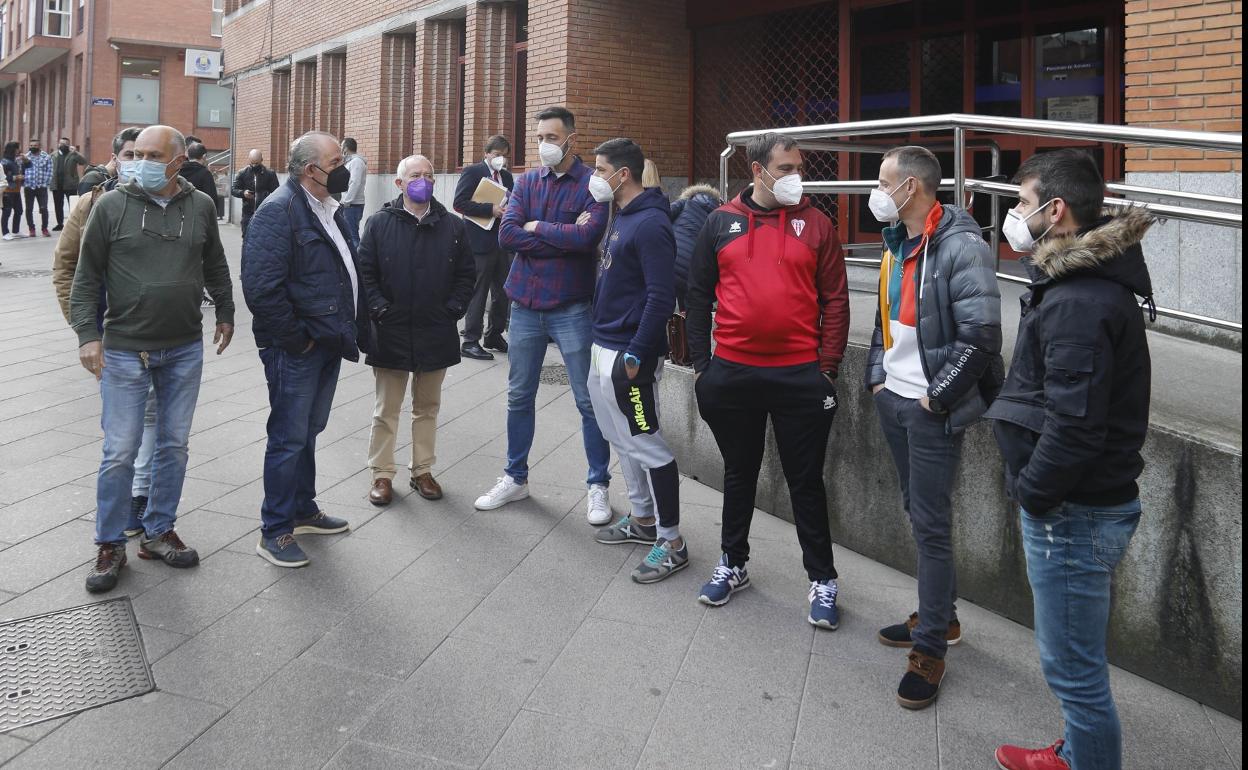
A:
46,234
1018,758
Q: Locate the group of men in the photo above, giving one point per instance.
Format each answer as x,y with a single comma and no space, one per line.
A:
591,255
28,179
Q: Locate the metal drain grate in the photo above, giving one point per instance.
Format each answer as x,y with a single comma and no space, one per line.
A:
69,661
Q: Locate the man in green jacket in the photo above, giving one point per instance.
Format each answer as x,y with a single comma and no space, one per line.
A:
153,245
65,164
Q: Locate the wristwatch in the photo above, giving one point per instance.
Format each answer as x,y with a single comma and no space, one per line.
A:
631,360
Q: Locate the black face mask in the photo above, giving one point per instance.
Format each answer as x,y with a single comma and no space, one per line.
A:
64,149
336,181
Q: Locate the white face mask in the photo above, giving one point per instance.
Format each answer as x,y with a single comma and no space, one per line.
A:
551,154
601,188
882,205
1018,233
787,189
498,163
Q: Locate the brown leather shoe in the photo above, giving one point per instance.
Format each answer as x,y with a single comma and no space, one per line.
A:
426,487
921,684
382,492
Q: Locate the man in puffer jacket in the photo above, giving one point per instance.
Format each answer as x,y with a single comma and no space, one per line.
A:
934,364
689,213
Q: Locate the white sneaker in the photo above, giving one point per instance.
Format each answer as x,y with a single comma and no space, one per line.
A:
507,490
8,236
598,509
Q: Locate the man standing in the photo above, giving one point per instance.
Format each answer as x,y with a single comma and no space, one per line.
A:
199,175
416,268
65,165
492,262
152,245
551,283
253,184
933,367
632,302
35,186
353,197
305,298
1071,421
775,266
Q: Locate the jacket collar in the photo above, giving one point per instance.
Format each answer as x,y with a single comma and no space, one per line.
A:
576,170
1091,248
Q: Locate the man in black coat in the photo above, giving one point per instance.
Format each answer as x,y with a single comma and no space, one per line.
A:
1070,422
253,184
492,263
416,268
195,172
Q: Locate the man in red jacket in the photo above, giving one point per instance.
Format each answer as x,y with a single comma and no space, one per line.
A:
774,265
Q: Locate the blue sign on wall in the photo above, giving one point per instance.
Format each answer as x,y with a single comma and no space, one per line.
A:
102,101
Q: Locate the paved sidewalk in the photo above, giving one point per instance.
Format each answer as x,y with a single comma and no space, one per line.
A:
434,636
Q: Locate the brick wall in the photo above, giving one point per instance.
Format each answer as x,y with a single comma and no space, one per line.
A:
491,35
363,98
1184,65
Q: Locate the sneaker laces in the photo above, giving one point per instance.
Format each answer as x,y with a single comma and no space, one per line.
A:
597,496
825,593
721,574
503,484
171,538
105,558
657,553
285,540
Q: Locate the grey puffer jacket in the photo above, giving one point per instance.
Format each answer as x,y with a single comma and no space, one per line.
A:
959,317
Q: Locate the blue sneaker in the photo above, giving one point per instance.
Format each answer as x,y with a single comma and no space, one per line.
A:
321,523
823,611
725,581
281,551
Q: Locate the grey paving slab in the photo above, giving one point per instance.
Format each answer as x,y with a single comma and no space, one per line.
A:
303,715
351,572
157,642
670,607
19,483
413,521
140,732
749,730
68,590
208,531
724,652
39,731
541,741
236,468
32,449
10,747
193,599
356,755
231,658
37,560
458,703
1172,731
1230,732
46,510
471,559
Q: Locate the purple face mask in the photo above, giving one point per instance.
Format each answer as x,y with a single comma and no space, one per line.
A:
420,190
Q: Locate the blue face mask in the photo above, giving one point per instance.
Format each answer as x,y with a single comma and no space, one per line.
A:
150,175
125,171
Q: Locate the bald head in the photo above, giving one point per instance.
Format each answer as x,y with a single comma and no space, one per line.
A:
165,146
255,158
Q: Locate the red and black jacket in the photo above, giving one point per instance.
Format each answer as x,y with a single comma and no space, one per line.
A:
778,279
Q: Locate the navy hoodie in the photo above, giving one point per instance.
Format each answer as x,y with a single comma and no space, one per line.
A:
636,290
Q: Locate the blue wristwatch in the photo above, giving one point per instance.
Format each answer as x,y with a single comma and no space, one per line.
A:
631,360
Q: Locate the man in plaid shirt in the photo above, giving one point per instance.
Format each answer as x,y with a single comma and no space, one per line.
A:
35,187
553,225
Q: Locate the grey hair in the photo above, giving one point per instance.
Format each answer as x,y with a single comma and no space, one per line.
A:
304,151
398,171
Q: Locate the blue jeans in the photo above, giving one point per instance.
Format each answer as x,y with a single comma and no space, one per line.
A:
571,328
1071,556
353,214
174,375
147,448
301,392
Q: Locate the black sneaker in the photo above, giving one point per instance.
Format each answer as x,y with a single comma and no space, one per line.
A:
475,351
496,342
921,683
899,635
138,506
321,523
170,549
108,563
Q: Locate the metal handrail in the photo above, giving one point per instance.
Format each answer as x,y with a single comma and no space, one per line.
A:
822,137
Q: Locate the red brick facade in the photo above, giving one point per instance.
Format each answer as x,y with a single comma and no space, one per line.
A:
1184,65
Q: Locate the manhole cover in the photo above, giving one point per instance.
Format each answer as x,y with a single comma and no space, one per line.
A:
25,273
69,661
555,374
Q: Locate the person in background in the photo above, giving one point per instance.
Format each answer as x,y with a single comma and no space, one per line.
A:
253,184
38,173
650,175
353,197
689,213
492,262
65,164
199,175
12,196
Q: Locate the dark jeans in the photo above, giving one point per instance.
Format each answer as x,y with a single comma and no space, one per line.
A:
60,199
492,272
12,208
301,392
246,220
735,401
927,462
40,196
353,213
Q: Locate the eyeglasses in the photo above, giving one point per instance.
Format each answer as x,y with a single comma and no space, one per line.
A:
165,217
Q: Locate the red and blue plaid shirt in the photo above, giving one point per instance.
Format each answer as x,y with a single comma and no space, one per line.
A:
558,264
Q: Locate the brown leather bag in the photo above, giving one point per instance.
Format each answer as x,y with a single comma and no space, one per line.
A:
677,342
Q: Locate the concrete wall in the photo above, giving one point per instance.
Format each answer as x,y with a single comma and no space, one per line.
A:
1177,605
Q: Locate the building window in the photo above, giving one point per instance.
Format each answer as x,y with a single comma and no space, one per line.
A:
218,14
1070,75
56,19
82,14
214,107
140,91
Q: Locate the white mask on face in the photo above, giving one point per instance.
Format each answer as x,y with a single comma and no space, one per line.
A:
551,154
787,189
1018,232
498,163
882,205
601,188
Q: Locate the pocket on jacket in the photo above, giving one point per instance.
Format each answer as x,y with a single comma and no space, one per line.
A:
166,308
1070,378
320,319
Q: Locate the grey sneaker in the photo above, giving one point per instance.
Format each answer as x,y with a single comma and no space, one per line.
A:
108,564
661,562
627,530
170,549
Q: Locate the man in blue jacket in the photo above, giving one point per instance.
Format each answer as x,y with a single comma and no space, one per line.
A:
300,279
632,302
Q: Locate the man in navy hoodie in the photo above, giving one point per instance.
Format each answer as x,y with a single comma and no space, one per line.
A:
632,300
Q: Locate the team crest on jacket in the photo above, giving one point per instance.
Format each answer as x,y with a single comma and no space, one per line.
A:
798,226
735,227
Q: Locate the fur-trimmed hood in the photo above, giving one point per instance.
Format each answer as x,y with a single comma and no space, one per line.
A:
693,190
1110,249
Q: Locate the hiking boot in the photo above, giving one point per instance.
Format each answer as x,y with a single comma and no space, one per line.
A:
170,549
899,635
507,490
108,563
823,610
725,581
138,506
627,530
921,684
281,551
1018,758
598,505
321,523
661,562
